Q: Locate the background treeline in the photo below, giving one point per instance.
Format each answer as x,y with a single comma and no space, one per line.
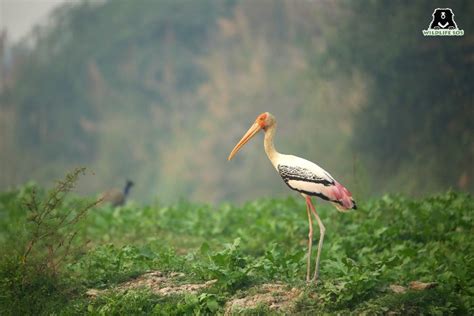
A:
160,91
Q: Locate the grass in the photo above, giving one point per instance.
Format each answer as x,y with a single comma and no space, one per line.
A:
391,240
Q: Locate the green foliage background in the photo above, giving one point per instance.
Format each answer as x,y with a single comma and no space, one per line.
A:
159,92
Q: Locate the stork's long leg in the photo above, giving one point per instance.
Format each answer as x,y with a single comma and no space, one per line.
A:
310,241
322,229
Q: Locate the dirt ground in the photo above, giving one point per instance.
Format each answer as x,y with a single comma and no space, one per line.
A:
158,283
277,297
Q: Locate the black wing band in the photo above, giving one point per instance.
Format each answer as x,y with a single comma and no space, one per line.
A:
301,174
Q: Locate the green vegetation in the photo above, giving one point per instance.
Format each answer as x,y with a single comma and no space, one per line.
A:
388,241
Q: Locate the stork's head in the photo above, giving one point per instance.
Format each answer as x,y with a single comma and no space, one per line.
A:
264,121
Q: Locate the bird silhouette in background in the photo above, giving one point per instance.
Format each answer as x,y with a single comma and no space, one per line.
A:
303,176
117,197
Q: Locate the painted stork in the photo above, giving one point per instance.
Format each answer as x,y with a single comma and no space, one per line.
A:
303,176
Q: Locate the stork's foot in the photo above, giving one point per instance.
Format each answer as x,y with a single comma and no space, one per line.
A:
313,281
315,278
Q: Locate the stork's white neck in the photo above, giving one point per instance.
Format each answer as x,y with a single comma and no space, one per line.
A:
272,154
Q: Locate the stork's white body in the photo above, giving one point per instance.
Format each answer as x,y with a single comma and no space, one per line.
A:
290,160
313,171
317,171
307,177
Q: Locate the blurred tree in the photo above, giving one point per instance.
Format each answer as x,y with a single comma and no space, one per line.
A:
91,84
259,62
159,91
416,127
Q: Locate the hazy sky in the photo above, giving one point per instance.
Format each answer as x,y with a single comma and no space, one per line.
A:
19,16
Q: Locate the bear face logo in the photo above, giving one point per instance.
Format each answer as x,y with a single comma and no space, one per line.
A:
443,19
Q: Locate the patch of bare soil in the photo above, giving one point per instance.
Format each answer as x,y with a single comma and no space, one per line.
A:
277,297
158,283
414,285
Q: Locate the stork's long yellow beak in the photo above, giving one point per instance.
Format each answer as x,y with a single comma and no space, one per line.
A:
254,129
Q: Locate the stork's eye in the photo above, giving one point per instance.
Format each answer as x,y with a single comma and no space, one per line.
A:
261,118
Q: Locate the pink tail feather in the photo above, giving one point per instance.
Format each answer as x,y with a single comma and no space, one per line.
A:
340,194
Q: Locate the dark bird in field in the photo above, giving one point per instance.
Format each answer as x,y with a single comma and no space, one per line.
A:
303,176
117,197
